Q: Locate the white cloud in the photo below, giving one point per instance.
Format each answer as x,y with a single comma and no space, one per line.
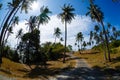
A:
79,24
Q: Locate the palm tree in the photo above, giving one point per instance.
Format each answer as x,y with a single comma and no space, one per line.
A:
15,5
32,23
8,34
107,31
66,16
96,28
57,33
114,32
91,36
96,14
61,39
9,29
19,34
43,18
84,44
79,39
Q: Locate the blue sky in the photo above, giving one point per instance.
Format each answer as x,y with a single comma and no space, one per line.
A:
81,23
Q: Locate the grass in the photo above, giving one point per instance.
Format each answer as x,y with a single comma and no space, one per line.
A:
23,72
96,59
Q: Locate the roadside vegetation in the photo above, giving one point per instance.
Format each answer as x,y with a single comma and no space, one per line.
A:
95,58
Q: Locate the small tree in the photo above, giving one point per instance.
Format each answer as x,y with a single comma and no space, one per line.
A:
57,33
79,39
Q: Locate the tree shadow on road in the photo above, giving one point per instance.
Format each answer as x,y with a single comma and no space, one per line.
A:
84,73
45,72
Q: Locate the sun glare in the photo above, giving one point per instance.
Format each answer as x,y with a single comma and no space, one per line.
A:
35,5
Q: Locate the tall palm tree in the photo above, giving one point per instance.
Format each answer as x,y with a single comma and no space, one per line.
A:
15,5
66,17
96,14
79,39
57,33
9,29
43,17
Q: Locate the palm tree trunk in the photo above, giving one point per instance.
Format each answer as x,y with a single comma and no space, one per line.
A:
81,45
65,42
40,33
104,48
103,44
106,41
79,48
105,35
55,39
2,32
9,24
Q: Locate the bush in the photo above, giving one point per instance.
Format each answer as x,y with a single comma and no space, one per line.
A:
115,43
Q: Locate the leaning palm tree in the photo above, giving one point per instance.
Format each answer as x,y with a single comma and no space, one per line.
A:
79,39
15,5
57,33
96,14
9,29
66,17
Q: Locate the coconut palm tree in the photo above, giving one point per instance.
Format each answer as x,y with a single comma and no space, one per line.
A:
9,29
114,32
32,23
79,39
66,17
108,30
96,14
91,36
43,17
57,33
15,5
96,28
84,44
19,34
